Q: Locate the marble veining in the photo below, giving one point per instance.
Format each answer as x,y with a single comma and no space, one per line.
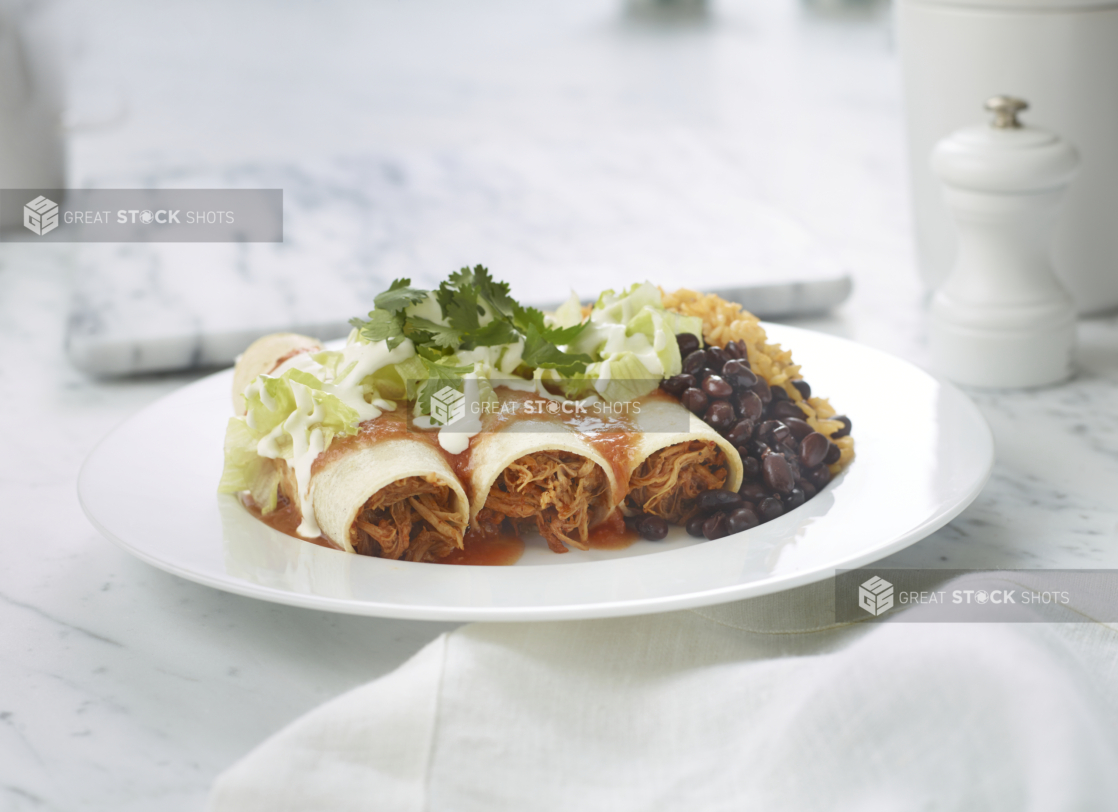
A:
123,688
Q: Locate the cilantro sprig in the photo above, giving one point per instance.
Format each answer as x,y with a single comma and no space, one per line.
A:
464,299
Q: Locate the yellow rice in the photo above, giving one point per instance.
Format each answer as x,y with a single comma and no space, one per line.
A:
724,322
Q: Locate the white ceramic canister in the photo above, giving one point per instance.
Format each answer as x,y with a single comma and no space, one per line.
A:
32,147
1061,55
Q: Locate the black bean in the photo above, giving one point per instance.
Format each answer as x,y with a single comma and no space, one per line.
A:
701,375
720,415
762,390
808,489
716,357
695,526
748,405
803,387
795,498
741,431
715,526
688,343
757,448
716,387
677,384
741,519
751,466
813,449
653,528
786,408
846,426
765,430
742,350
770,509
778,473
779,393
694,399
800,428
818,476
734,350
695,361
834,453
718,500
790,450
755,491
738,373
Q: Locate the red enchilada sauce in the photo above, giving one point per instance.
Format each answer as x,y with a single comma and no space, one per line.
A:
612,534
286,519
487,550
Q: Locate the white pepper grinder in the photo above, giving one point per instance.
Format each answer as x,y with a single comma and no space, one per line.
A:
1002,318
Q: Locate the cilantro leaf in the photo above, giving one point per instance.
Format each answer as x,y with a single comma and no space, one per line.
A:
564,335
461,309
381,326
425,331
446,372
495,293
473,285
429,353
539,352
528,317
525,317
496,332
400,294
462,278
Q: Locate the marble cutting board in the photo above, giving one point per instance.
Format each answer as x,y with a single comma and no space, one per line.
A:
548,220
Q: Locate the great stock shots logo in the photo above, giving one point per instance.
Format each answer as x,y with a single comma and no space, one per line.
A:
145,215
876,596
41,215
448,406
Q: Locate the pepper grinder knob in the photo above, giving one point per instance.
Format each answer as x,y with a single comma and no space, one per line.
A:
1002,318
1005,110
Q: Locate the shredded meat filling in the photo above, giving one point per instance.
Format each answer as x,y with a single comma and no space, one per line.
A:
556,492
412,519
669,482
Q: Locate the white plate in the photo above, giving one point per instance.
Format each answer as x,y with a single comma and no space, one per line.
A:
923,454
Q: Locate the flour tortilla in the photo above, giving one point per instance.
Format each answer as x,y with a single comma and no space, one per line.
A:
661,423
493,452
342,487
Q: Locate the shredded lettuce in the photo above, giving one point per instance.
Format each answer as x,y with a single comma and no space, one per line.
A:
620,308
569,314
635,323
270,403
245,470
624,377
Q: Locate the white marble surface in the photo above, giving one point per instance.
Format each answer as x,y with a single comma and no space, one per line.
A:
554,217
122,688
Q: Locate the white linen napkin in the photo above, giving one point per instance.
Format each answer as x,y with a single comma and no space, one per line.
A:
760,704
